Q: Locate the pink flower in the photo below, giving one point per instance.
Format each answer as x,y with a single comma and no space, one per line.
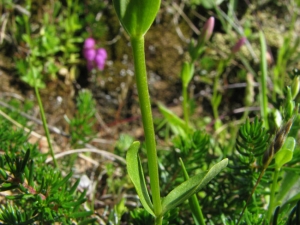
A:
95,57
89,54
89,43
102,52
207,29
100,58
238,45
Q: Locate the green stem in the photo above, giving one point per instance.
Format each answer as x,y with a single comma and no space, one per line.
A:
272,203
45,125
185,104
193,201
263,81
158,220
145,105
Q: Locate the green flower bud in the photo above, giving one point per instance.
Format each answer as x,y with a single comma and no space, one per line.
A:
289,105
136,16
295,87
186,74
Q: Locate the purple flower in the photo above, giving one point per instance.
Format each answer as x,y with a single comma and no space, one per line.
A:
238,45
89,43
89,54
102,52
100,58
95,57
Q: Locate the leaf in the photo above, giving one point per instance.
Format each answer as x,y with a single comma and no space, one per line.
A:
136,174
178,125
81,214
286,187
136,16
285,154
193,201
191,186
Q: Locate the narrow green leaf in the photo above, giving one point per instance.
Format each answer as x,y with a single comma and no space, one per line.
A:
25,160
136,174
88,221
81,214
191,186
73,204
74,187
177,124
193,201
62,182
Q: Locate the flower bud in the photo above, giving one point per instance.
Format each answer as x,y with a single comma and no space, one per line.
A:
238,45
295,87
207,30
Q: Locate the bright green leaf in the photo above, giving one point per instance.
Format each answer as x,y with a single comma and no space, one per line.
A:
191,186
178,126
285,154
136,174
193,201
81,214
136,16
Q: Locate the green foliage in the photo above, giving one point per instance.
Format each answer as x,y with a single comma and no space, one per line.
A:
191,186
82,125
136,174
208,4
53,39
37,191
263,169
252,141
285,154
50,38
141,216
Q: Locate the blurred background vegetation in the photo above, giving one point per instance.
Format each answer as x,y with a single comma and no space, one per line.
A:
42,41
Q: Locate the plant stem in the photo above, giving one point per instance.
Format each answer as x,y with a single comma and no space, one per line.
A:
145,105
272,203
185,104
263,81
45,125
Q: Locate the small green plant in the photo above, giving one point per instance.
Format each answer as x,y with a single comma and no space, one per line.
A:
82,125
187,180
37,192
136,18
